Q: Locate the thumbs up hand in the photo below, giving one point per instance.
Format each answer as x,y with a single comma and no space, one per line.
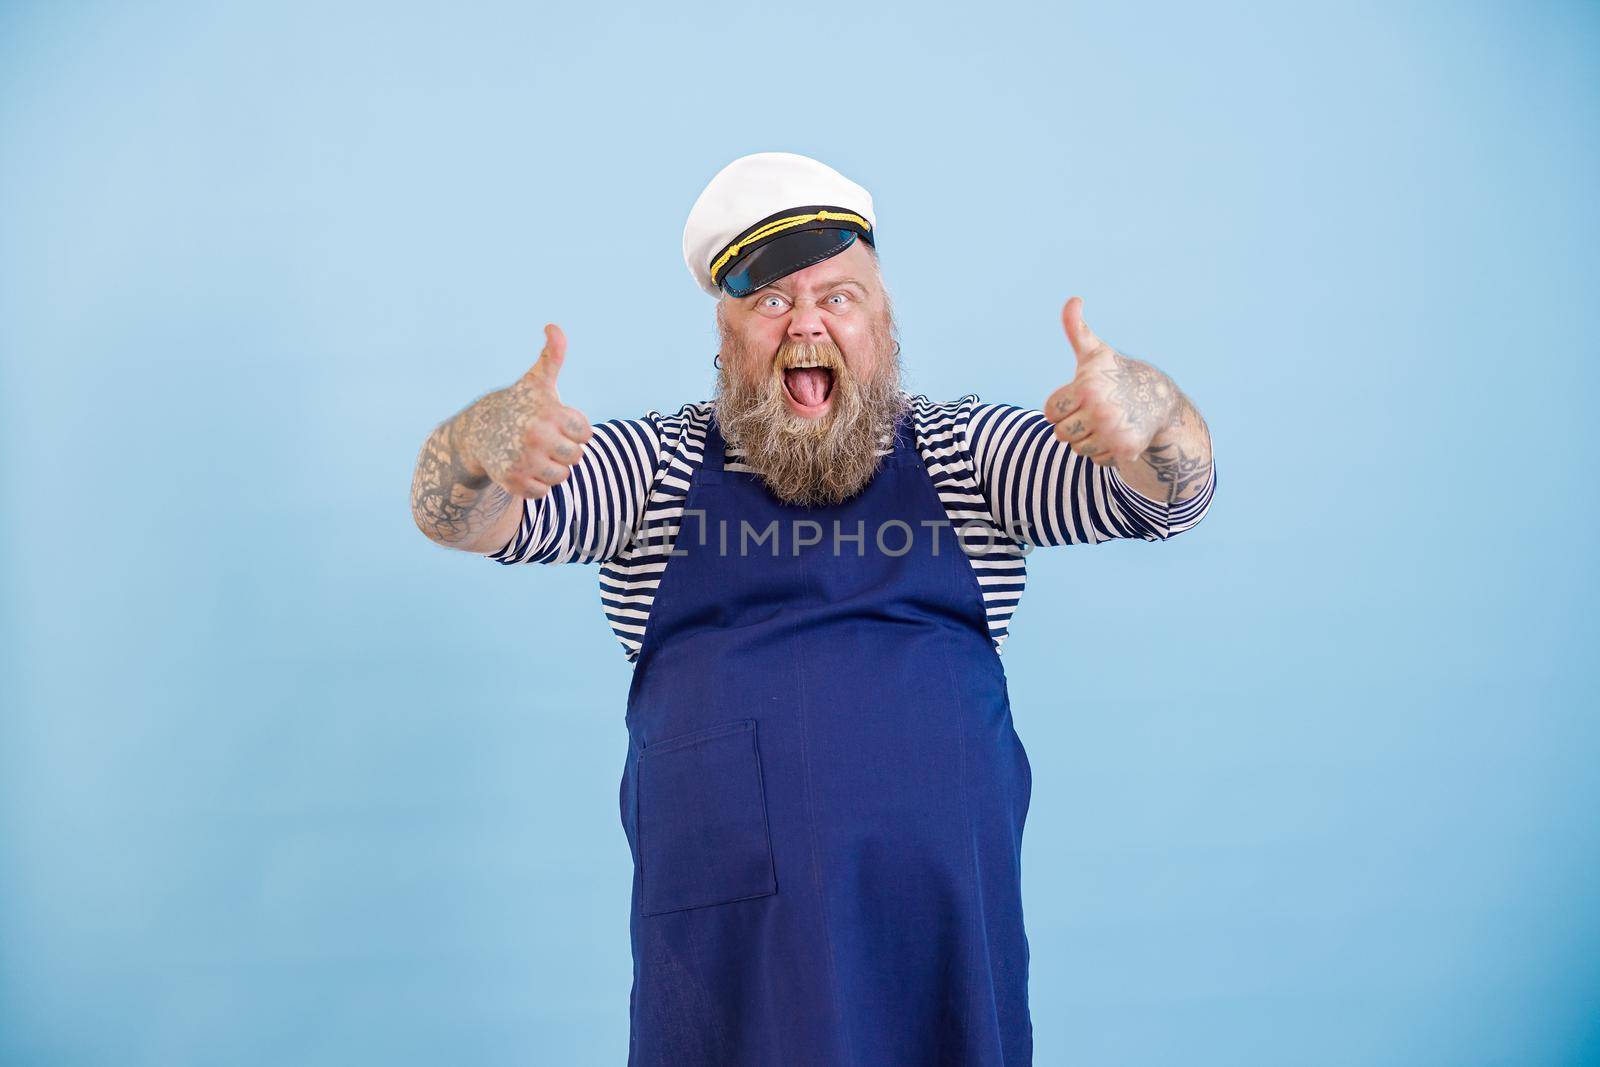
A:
1114,406
523,436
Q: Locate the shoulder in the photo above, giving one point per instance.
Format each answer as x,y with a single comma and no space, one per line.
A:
941,427
933,417
688,417
650,442
924,408
940,416
682,435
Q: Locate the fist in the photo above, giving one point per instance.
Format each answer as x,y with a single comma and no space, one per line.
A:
1114,405
523,436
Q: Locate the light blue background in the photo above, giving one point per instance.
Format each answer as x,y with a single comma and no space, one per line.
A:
282,782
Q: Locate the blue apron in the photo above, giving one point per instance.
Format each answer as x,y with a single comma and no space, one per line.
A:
824,794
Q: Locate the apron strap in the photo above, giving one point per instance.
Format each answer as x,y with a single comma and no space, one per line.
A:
715,452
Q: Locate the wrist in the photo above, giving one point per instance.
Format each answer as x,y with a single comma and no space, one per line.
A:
1171,422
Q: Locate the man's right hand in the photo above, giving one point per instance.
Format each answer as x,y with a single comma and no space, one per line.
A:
523,437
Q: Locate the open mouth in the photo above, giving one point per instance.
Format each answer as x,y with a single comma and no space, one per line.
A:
808,387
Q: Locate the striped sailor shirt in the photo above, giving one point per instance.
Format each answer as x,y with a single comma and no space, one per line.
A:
1006,483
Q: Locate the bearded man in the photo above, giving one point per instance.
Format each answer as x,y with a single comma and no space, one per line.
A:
813,574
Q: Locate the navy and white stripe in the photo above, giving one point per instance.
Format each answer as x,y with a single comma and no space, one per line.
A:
1006,483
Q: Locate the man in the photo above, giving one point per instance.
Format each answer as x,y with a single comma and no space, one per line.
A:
813,575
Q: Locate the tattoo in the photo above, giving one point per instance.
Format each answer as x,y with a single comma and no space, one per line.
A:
450,503
495,430
1060,406
1176,469
1076,427
1147,398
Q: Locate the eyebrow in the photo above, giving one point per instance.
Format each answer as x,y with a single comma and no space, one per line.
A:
830,285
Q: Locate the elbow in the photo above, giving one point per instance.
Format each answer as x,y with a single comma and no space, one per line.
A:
427,528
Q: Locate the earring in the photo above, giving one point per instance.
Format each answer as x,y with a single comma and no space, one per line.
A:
897,350
716,361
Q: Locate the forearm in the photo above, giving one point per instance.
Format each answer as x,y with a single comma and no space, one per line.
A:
1175,465
454,501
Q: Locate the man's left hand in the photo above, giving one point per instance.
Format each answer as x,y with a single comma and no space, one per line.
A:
1114,406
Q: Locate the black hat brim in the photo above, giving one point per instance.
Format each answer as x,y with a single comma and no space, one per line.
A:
784,255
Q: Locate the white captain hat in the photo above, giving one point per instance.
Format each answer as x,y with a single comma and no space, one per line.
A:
770,214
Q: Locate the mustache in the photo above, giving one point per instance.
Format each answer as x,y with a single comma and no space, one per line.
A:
795,354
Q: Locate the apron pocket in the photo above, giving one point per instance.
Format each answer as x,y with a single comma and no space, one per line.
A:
703,820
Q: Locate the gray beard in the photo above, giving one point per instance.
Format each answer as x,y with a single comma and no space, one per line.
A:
812,462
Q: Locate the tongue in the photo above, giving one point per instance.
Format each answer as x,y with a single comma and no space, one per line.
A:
809,385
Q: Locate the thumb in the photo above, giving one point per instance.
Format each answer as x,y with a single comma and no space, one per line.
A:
551,357
1084,341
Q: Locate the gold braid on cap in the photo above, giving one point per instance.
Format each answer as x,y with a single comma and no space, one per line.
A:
777,226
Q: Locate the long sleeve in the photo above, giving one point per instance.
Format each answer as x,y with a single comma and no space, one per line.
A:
1041,493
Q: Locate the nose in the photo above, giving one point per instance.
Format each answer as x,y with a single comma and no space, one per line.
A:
805,324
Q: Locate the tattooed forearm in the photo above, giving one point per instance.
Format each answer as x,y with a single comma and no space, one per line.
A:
1180,456
452,500
1180,473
